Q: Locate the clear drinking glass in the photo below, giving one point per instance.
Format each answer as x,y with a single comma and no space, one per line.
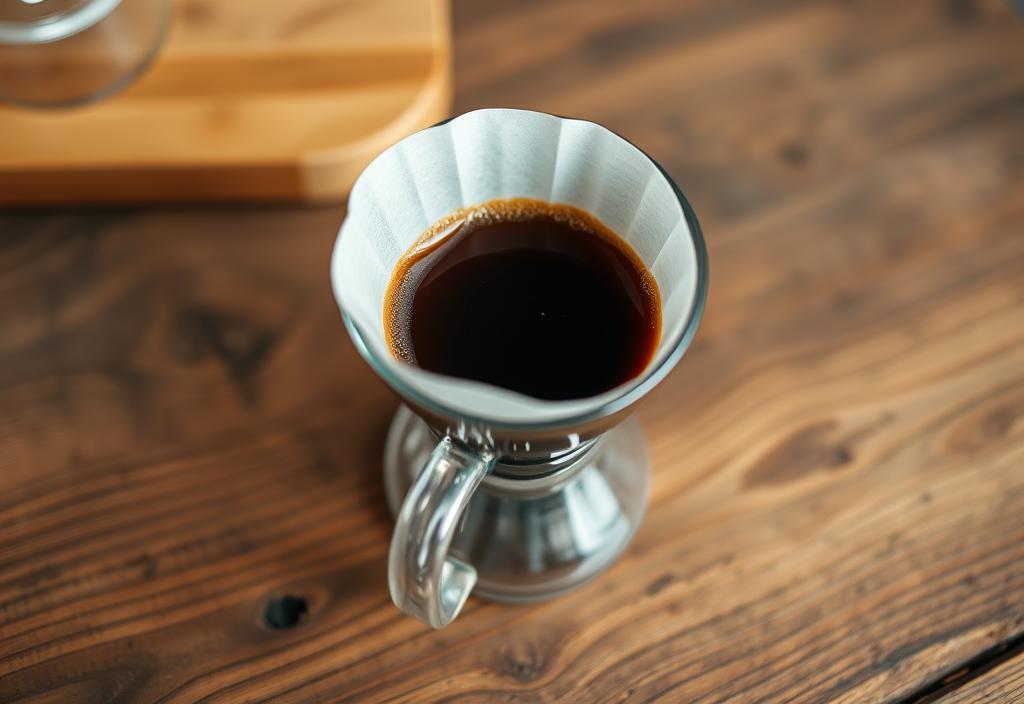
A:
56,53
510,497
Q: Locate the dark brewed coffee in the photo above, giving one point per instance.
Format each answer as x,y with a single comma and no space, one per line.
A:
530,296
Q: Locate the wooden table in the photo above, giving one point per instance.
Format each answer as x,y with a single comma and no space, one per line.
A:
189,443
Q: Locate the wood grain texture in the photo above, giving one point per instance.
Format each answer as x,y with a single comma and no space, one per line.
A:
252,100
186,436
1003,684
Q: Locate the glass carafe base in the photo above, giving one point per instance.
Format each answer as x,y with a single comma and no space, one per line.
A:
534,538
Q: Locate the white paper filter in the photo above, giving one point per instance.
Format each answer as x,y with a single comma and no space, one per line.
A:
491,154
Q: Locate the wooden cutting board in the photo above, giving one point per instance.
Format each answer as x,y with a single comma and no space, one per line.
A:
248,100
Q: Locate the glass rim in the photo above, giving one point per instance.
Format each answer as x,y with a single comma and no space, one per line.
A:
641,385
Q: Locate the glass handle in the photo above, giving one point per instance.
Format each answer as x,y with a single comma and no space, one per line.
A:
425,581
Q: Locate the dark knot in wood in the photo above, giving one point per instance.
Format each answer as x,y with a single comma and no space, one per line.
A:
285,611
